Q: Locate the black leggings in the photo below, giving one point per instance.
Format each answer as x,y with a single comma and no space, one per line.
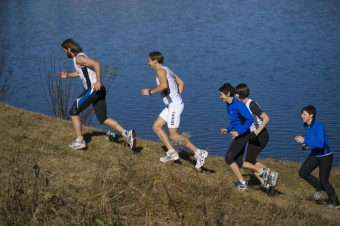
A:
255,147
236,150
325,166
86,99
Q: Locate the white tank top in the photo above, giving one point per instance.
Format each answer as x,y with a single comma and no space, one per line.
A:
171,94
87,75
257,120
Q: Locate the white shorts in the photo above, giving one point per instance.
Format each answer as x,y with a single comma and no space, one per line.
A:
172,114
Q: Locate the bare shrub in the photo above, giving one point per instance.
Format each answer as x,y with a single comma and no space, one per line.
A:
60,93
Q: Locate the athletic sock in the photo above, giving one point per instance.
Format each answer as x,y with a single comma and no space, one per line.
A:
80,139
125,133
170,151
198,151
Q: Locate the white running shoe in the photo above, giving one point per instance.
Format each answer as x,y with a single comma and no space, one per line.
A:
172,157
131,139
265,175
76,145
317,195
200,158
273,179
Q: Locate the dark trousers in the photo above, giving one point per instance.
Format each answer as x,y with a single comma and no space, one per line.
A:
325,165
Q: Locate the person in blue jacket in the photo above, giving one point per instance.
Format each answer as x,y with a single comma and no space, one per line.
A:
321,156
240,121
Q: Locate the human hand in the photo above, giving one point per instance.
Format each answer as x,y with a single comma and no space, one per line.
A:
63,74
96,86
146,92
224,131
299,139
234,134
304,147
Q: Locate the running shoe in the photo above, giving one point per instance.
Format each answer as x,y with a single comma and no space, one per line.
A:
264,186
131,139
317,195
241,186
273,179
77,145
200,158
265,175
334,206
173,157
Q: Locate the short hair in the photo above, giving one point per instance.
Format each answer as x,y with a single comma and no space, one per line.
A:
73,45
242,91
310,109
227,88
156,55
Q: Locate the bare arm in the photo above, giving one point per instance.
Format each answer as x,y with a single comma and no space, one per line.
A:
66,74
180,84
163,83
265,119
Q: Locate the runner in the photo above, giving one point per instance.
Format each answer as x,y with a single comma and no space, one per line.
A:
321,156
240,121
170,86
88,70
259,137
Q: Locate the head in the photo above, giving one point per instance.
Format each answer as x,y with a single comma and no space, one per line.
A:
71,48
242,91
308,114
155,58
227,92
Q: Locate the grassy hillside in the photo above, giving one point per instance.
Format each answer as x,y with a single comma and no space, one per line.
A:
43,182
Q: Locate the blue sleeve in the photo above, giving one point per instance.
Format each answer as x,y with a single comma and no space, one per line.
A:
315,136
243,110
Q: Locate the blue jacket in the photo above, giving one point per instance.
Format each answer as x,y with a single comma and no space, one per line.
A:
236,109
317,140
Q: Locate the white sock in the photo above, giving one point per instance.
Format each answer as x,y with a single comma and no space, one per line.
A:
80,139
171,151
125,133
198,151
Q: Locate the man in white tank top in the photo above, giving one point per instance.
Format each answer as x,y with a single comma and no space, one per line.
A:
170,86
88,70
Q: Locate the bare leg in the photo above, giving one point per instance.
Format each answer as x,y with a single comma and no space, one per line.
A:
236,170
255,168
113,124
77,125
158,129
182,140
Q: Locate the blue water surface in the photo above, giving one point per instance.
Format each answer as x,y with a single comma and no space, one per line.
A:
287,51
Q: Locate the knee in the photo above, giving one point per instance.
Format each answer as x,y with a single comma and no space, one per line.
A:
73,111
303,174
102,121
155,128
229,159
174,137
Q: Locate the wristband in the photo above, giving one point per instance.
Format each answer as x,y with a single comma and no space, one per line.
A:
150,92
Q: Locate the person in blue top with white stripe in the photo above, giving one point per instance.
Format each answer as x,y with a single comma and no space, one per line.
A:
321,156
240,121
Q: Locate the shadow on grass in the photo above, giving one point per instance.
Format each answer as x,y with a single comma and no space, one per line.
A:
184,155
118,139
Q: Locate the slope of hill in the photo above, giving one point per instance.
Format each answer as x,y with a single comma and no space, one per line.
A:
43,182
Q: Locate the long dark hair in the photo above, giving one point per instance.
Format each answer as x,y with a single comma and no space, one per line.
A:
73,45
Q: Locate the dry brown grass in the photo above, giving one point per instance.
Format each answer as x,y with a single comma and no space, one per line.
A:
45,183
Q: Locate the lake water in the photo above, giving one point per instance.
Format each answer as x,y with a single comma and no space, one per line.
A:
287,51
